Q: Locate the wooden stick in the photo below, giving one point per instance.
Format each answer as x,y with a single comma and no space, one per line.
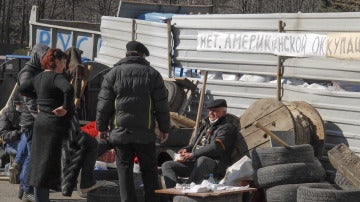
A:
271,134
82,89
9,99
200,107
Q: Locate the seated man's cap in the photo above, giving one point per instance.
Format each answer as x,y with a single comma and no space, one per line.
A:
138,47
217,103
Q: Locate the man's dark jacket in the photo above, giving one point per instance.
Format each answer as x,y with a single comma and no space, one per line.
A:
132,95
220,144
9,125
28,72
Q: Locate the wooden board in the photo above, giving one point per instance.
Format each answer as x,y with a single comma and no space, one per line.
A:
272,114
302,124
317,134
346,162
174,191
4,178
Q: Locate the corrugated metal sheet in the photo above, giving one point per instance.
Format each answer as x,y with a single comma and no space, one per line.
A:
131,9
239,95
340,110
187,28
116,32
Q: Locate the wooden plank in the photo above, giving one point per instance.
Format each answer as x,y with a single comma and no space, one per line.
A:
346,162
174,191
4,178
317,134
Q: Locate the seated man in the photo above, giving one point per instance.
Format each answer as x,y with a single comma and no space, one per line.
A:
210,152
10,131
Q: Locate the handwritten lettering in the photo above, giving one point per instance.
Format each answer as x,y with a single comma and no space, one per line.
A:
262,42
343,45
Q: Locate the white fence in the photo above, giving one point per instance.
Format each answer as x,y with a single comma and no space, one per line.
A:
175,45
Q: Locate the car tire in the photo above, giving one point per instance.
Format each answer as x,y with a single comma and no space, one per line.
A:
291,173
269,156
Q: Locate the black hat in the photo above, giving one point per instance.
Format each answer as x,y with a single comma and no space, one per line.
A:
217,103
138,47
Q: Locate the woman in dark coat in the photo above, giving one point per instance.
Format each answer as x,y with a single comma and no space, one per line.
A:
55,97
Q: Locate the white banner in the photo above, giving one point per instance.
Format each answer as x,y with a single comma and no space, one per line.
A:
283,44
343,45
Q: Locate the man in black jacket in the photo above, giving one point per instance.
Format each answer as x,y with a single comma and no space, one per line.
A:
210,152
134,94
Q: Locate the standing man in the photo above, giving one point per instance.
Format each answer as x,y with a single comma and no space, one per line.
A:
211,151
29,113
133,96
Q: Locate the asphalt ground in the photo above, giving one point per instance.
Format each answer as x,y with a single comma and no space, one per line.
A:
9,193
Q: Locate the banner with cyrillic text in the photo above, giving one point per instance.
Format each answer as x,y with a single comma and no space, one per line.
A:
284,44
343,45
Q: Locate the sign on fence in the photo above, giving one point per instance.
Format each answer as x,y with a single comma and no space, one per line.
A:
343,45
297,45
336,45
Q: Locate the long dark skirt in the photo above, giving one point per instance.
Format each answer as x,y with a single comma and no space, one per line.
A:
45,157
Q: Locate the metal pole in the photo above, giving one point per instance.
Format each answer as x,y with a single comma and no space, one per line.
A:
169,48
280,66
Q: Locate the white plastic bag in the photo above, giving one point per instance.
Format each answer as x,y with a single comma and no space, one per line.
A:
239,171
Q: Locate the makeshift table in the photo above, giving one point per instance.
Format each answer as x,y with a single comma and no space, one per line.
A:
215,196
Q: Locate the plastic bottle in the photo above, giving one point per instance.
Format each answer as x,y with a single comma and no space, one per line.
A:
211,179
7,167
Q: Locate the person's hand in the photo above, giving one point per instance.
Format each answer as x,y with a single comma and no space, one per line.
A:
102,136
187,156
182,152
60,111
163,137
179,155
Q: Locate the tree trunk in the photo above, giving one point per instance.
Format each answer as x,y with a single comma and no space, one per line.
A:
41,4
72,10
10,8
23,21
2,33
52,10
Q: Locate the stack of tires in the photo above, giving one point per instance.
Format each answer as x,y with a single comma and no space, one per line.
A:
111,191
280,171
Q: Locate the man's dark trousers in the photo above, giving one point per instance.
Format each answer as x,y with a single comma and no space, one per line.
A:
196,170
146,154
